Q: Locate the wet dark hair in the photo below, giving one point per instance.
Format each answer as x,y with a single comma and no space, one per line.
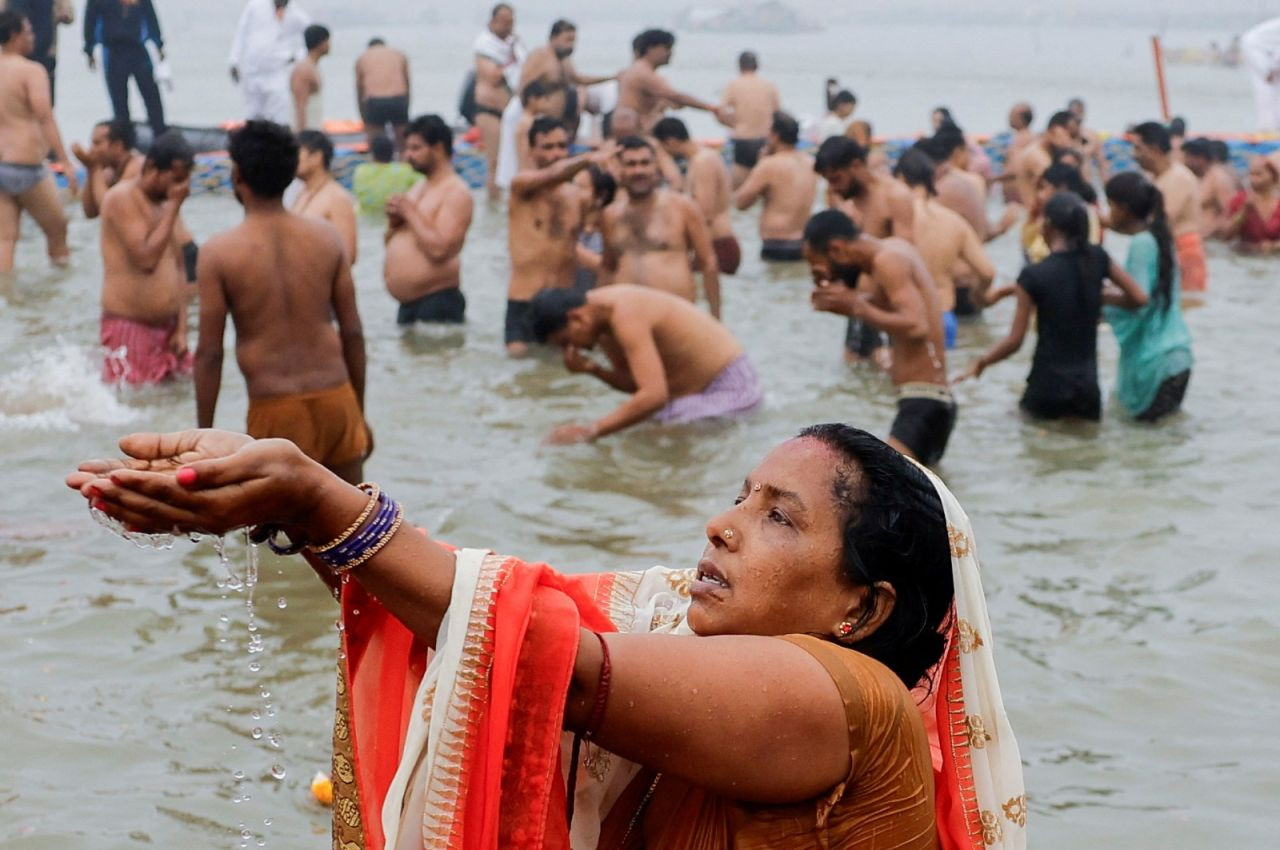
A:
382,149
843,96
915,168
786,128
1202,148
635,143
603,186
1062,118
945,142
652,38
501,7
169,149
433,130
838,152
542,125
119,130
549,311
1221,152
748,61
1145,202
317,142
561,25
266,155
536,88
1155,134
1178,126
1060,175
670,128
894,530
314,36
11,21
827,226
947,119
377,41
1067,214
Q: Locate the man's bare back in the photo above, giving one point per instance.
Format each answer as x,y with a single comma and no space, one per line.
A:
885,209
1029,165
382,71
945,240
638,88
753,100
282,278
708,185
788,184
693,346
413,269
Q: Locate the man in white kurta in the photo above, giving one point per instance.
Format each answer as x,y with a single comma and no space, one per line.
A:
268,41
1261,46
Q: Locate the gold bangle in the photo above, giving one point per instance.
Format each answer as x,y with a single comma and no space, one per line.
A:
375,548
374,492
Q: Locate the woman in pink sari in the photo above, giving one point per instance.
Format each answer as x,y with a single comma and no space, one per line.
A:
822,678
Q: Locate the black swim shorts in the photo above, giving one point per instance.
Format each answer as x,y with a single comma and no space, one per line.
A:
519,325
381,111
782,250
444,306
924,421
862,339
746,152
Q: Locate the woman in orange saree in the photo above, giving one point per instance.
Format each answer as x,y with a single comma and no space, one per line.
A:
823,677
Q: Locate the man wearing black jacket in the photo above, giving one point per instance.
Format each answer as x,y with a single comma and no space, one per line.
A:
123,27
45,16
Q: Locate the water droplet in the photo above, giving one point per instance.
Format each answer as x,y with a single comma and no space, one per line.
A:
282,603
256,733
266,822
244,833
277,771
274,739
238,776
255,666
256,714
271,712
265,693
355,612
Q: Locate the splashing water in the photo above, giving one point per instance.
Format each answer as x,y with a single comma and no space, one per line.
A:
255,646
60,389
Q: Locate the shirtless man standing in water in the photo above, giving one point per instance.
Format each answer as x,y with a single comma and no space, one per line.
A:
1153,151
323,198
649,233
551,65
902,301
497,55
305,377
880,205
707,183
109,159
27,133
788,184
749,103
426,228
1218,185
144,298
944,239
545,216
642,88
382,91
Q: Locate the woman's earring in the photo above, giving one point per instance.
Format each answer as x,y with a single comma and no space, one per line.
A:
844,629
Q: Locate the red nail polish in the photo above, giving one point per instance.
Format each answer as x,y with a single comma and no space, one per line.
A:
186,476
95,492
98,505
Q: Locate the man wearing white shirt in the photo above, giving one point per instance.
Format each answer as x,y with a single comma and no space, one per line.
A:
268,41
1261,46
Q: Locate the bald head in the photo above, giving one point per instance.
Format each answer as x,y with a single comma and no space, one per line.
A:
1021,115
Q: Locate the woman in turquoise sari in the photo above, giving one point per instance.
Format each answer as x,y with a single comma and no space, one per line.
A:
1155,345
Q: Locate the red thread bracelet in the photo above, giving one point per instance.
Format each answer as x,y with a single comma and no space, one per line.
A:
602,691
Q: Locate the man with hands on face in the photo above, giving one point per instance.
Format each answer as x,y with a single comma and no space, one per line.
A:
144,298
902,301
679,364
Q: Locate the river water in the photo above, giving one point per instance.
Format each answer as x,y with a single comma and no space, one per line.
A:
1127,568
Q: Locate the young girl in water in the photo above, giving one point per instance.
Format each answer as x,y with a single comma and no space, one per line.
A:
1066,291
1155,345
